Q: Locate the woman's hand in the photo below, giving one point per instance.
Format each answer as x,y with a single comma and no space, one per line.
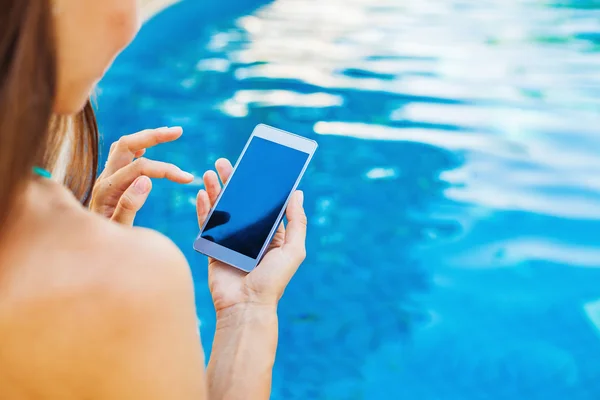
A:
265,285
124,185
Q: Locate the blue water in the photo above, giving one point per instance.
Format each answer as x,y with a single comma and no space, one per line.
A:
454,204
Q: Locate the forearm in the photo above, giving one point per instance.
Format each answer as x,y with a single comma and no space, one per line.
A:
243,354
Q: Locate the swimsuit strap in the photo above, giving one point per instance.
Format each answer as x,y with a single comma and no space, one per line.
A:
42,172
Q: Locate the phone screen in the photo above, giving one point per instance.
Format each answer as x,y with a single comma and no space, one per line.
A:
255,196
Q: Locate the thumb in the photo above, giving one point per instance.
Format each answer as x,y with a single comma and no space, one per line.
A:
295,234
132,200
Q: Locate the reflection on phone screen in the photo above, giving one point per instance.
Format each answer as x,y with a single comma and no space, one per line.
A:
257,192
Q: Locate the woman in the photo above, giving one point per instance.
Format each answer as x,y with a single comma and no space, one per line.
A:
91,308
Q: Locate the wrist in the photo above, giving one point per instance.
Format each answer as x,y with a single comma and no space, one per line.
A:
246,314
243,352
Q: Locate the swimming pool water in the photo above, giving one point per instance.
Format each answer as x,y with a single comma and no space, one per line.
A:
454,203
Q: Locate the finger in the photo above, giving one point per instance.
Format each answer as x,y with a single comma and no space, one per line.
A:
224,168
112,148
212,185
150,168
149,138
295,233
132,201
126,147
279,237
139,153
280,229
202,207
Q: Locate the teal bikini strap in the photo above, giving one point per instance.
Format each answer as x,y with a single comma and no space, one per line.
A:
42,172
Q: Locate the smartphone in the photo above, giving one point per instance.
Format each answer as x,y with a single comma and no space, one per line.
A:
252,204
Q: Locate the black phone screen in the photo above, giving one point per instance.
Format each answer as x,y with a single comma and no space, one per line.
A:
255,196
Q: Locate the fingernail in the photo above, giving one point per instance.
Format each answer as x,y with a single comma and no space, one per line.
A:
300,197
142,185
187,175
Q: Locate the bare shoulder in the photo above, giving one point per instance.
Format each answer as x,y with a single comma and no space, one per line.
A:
142,247
107,308
132,267
119,256
146,319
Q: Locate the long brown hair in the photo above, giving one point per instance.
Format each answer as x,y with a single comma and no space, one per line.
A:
29,133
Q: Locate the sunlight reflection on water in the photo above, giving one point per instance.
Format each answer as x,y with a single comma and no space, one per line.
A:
454,201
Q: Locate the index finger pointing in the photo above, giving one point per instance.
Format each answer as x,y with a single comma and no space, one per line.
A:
150,137
124,150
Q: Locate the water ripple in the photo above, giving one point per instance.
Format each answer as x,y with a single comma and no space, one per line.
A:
455,199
